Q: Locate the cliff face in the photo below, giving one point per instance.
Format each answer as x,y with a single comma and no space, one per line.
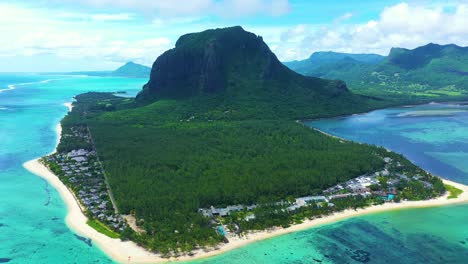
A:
210,61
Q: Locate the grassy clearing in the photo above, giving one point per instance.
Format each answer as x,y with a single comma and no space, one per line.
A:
453,191
102,228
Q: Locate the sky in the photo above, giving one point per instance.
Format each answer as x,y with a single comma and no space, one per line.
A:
90,35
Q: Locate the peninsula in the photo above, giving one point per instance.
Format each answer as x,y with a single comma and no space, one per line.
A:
208,157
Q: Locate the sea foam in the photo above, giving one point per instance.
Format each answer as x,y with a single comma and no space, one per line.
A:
10,87
14,86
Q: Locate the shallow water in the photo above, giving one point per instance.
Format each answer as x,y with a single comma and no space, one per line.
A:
32,227
431,235
433,136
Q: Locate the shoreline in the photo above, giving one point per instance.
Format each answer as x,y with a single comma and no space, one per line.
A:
121,251
68,105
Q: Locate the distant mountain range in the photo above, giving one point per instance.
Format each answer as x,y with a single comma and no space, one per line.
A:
324,58
428,72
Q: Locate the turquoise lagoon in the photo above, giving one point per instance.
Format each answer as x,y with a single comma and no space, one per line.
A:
32,227
433,136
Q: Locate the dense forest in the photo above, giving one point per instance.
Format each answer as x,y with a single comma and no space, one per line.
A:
162,169
216,125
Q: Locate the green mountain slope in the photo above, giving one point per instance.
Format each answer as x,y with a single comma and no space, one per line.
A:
233,70
431,72
215,125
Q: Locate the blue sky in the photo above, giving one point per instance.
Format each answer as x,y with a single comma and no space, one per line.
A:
76,35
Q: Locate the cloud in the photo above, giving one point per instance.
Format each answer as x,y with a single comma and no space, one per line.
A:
175,21
77,46
143,51
240,8
294,33
95,17
120,34
164,8
342,18
111,17
75,36
401,25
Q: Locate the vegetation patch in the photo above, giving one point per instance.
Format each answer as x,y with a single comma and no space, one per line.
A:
167,160
102,228
454,192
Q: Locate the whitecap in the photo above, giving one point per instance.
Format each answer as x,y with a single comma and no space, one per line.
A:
14,86
10,87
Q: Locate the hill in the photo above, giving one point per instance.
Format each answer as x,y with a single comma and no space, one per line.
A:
427,73
324,59
233,70
131,69
214,126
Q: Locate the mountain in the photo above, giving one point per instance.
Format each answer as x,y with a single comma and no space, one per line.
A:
215,126
235,70
423,56
320,59
427,73
131,69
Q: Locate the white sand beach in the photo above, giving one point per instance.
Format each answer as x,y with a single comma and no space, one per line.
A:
121,251
129,252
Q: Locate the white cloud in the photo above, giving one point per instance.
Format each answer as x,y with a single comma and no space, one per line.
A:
239,8
295,33
174,21
124,35
77,46
144,51
401,25
165,8
111,17
95,17
344,17
27,32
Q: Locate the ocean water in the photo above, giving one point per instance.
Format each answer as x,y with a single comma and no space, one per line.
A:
32,227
